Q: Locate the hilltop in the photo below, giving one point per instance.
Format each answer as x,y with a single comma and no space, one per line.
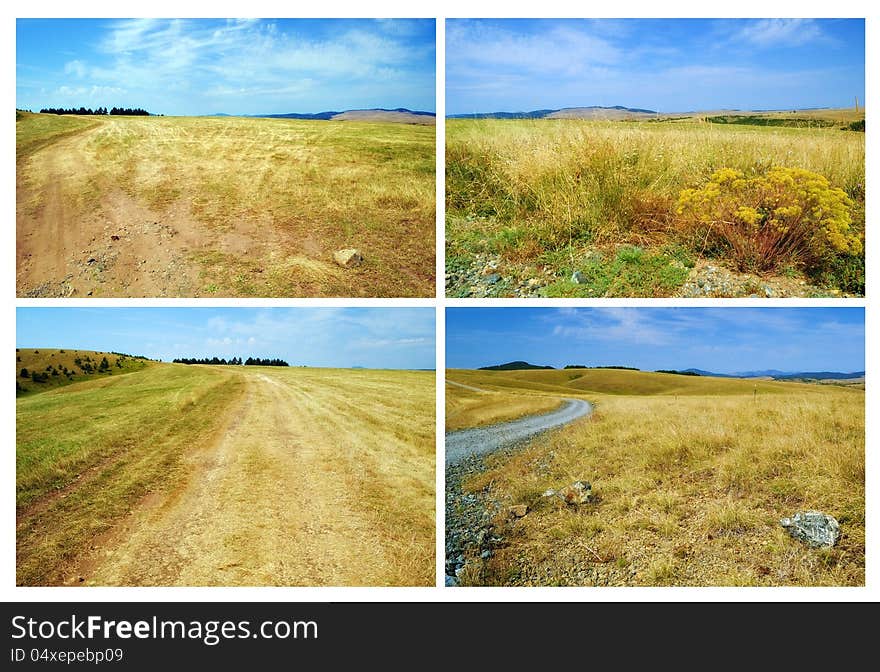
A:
41,369
590,112
514,366
399,115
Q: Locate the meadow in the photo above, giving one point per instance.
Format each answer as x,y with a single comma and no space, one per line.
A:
690,477
227,475
222,206
605,198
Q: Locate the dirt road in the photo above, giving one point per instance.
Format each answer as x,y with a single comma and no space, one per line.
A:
277,501
483,440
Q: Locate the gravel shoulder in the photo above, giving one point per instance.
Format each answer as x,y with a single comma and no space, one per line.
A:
484,440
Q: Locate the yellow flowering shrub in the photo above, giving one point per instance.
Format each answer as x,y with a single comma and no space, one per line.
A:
782,216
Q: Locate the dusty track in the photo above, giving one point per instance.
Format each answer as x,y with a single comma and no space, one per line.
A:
268,504
119,248
188,207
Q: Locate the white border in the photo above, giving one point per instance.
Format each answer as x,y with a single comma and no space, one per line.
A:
439,10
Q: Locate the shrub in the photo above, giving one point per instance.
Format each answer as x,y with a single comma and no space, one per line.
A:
782,216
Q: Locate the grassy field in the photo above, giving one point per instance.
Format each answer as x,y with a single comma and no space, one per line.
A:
691,477
235,206
601,196
469,408
56,367
196,475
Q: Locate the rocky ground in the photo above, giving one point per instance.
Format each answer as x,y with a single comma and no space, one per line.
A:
469,530
489,276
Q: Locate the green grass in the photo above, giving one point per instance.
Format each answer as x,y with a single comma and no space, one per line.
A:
630,272
33,131
60,367
115,439
788,122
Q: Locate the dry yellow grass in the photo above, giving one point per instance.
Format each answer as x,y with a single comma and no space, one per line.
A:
257,476
251,207
548,192
467,408
690,490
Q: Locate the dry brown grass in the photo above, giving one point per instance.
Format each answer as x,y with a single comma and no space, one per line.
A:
550,191
194,475
689,491
466,408
259,205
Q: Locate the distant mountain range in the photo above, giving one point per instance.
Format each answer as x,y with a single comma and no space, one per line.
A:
775,374
591,112
400,115
782,375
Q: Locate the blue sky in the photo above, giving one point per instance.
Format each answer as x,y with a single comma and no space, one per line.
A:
722,340
394,338
205,66
670,65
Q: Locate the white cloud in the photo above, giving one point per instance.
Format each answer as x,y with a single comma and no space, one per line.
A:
247,57
766,33
76,68
560,50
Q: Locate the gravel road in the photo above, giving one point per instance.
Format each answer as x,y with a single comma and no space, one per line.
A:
484,440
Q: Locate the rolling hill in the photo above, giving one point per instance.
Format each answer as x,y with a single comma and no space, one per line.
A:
40,369
399,115
590,112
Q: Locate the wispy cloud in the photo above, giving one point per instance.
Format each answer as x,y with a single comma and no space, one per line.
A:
766,33
331,63
666,64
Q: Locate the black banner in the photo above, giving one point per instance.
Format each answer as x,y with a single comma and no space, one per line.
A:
110,636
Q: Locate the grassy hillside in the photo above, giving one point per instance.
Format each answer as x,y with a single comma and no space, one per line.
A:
58,367
691,478
86,453
33,131
585,382
574,195
469,408
237,206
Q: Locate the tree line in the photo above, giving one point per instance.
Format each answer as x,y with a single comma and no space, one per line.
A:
235,361
126,111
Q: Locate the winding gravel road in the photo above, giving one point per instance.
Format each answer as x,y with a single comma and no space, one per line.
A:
484,440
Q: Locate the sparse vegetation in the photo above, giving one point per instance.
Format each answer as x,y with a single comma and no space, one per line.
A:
224,206
689,494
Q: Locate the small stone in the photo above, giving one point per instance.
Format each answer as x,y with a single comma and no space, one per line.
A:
579,492
814,528
549,493
519,510
493,278
89,293
451,581
485,555
348,258
578,278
